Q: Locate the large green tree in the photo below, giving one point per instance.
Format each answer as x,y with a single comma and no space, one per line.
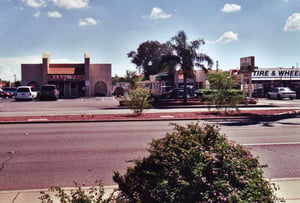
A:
148,56
186,55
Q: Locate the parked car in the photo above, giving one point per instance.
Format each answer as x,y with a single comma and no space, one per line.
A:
26,93
281,93
178,93
4,94
49,92
10,91
119,92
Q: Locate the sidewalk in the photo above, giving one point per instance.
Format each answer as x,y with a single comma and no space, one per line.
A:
31,196
289,190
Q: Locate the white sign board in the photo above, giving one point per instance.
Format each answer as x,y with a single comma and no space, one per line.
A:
276,74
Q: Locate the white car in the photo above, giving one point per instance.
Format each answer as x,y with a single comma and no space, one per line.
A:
26,93
281,93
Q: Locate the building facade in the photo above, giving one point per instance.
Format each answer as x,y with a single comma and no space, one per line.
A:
265,79
72,80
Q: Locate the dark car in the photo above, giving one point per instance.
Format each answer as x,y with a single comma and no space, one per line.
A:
48,92
178,93
119,92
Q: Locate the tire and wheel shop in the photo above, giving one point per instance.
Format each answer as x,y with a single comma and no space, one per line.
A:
257,82
265,79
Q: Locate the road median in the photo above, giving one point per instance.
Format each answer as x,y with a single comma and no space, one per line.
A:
255,115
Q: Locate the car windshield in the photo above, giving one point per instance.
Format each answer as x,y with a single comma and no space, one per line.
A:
9,89
48,88
23,89
285,89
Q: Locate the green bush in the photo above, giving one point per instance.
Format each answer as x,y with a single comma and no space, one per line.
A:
223,98
225,94
139,100
79,195
195,164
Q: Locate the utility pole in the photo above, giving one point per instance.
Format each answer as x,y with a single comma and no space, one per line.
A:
217,66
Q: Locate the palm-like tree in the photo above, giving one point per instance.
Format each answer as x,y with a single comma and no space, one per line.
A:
186,55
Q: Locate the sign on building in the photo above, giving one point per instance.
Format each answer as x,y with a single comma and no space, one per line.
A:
247,64
276,74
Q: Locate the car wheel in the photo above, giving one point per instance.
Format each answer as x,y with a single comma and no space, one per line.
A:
269,97
278,97
291,98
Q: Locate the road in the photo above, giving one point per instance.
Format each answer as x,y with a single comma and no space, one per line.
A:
41,155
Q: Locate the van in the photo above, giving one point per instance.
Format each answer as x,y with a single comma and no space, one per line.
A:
49,92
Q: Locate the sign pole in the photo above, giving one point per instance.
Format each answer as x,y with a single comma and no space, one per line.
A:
250,85
247,67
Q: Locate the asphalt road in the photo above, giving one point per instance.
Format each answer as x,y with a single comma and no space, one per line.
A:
40,155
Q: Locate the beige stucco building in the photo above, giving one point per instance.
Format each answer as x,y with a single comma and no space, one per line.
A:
72,80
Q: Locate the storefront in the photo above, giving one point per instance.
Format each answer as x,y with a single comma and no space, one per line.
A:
72,80
265,79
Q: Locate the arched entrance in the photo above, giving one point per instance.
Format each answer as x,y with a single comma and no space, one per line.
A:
100,89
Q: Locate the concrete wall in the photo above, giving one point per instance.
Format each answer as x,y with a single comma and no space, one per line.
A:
31,73
100,73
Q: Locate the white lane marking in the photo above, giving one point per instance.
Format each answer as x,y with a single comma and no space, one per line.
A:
275,143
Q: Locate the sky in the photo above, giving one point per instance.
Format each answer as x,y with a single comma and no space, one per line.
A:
109,29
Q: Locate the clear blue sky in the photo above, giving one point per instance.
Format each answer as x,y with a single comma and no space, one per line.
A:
109,29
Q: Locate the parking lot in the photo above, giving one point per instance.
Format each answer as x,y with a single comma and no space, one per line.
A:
61,106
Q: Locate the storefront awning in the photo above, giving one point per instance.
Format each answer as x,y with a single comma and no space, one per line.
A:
161,76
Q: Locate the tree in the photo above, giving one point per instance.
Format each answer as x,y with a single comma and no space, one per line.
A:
139,100
148,56
131,76
225,94
186,56
196,164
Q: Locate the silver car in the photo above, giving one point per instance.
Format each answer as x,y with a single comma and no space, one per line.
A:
25,93
281,93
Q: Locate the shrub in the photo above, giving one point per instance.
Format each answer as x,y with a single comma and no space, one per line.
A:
139,100
225,96
195,164
227,99
79,195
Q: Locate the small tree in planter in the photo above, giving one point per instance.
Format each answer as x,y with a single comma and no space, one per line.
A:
139,99
195,164
224,95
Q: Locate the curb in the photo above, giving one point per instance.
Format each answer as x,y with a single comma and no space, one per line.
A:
160,117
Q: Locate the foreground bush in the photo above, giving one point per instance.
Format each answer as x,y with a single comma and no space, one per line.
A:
195,164
78,195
